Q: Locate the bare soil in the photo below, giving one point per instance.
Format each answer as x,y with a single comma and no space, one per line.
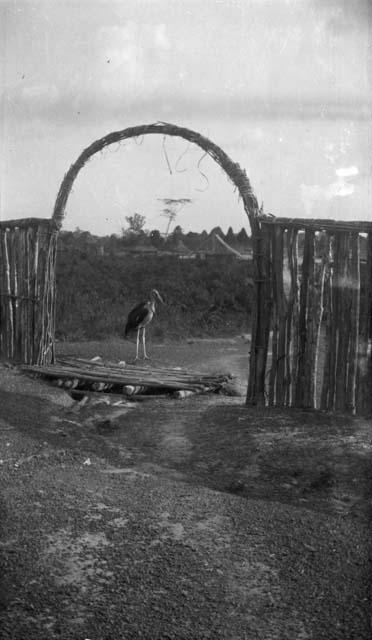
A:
195,518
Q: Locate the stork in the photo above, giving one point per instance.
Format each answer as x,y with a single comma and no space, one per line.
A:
140,317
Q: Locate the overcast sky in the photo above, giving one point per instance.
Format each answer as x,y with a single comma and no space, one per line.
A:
284,86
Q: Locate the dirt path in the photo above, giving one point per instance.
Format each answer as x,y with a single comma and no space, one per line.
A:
181,519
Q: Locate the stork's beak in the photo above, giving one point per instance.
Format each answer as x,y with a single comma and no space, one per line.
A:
156,293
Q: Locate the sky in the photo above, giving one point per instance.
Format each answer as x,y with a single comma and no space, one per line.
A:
283,86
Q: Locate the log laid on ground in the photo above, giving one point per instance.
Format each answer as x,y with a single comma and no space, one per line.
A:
130,381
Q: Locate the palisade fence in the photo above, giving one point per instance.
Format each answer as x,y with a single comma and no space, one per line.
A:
312,325
27,290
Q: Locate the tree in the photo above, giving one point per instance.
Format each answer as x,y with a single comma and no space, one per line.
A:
172,208
177,232
156,238
135,224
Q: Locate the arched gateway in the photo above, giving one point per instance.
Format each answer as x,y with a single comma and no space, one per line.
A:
233,170
311,342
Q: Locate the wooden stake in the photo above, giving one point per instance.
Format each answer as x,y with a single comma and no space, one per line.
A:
301,399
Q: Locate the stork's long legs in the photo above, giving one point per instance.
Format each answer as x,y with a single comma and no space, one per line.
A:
137,343
145,356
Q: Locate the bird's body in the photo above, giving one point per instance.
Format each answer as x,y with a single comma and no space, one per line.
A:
140,317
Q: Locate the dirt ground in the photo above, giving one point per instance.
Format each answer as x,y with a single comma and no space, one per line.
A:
180,519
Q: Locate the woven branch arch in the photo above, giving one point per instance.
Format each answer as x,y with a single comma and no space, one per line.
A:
233,170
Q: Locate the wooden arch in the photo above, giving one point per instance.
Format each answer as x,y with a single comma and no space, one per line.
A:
233,170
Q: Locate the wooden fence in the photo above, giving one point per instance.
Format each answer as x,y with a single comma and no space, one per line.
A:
312,325
27,290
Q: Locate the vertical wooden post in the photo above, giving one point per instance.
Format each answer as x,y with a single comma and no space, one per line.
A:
326,398
301,399
354,322
261,317
314,319
343,321
275,319
293,315
281,316
364,396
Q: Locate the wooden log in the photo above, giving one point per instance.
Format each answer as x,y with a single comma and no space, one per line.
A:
275,322
114,378
354,323
8,306
293,314
20,256
54,296
364,402
315,313
326,398
48,298
333,336
142,371
36,295
308,357
42,275
13,288
307,266
251,397
256,392
295,319
342,321
2,298
281,305
30,294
